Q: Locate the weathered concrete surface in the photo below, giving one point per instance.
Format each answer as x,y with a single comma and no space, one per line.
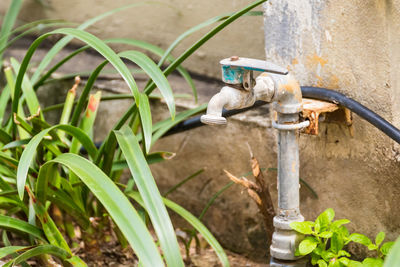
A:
160,23
350,46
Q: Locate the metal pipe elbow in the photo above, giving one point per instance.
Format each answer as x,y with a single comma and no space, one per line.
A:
288,97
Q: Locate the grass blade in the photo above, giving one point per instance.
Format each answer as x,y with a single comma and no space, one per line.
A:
146,122
197,28
145,63
88,38
75,261
18,226
159,52
4,98
29,94
118,206
30,151
151,158
5,138
162,127
187,179
64,41
35,31
50,229
42,249
10,250
196,223
151,196
8,23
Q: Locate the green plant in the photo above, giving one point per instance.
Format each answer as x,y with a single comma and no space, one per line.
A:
393,257
43,170
326,239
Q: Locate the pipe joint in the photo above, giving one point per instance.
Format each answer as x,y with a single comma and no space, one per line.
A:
287,98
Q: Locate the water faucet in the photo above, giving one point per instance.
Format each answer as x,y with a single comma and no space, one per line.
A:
275,85
241,89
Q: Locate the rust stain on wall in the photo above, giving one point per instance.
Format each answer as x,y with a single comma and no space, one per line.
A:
314,60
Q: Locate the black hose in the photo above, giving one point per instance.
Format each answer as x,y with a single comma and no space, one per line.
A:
195,121
361,110
309,92
316,93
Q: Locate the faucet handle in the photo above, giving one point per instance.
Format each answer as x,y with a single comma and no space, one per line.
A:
252,64
239,70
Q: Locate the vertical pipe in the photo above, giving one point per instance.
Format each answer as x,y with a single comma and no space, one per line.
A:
288,168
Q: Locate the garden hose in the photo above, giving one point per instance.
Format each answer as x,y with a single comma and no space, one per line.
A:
315,93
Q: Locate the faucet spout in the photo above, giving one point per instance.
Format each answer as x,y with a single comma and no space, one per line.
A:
233,98
228,98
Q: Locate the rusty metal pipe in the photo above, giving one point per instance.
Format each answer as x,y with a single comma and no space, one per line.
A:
287,104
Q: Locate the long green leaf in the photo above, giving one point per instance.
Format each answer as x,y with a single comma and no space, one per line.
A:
88,38
18,226
155,74
76,261
196,223
10,250
30,151
159,52
187,179
151,158
150,194
28,26
141,44
12,162
4,98
145,118
65,40
5,138
8,23
49,227
35,31
197,28
42,249
30,96
162,127
67,204
118,206
393,258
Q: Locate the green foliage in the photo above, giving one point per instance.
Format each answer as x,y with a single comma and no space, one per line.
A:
393,256
43,170
325,241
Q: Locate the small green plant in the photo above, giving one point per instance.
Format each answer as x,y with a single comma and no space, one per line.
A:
381,249
326,239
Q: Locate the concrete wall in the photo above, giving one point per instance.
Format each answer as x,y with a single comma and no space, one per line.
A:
351,46
161,23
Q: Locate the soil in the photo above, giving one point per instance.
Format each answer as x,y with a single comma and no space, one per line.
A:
113,255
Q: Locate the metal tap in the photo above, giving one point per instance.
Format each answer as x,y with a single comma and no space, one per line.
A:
241,89
274,85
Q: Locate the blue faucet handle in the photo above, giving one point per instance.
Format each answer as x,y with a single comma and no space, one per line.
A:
253,64
237,70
